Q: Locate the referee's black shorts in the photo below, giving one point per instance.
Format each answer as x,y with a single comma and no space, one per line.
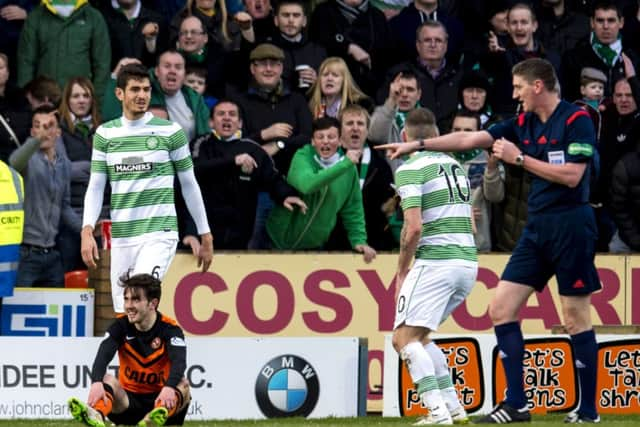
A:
561,243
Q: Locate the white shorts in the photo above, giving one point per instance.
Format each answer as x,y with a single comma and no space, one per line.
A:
431,292
151,257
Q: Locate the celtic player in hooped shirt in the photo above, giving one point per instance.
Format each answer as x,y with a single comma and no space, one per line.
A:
437,231
554,142
140,155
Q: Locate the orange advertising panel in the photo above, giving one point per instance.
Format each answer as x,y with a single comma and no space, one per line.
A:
463,358
619,377
550,380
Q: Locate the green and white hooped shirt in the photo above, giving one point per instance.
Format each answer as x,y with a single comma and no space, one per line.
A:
436,183
140,159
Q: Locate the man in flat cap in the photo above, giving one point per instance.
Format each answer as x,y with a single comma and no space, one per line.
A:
275,117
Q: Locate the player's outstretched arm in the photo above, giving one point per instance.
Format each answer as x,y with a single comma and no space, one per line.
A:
456,141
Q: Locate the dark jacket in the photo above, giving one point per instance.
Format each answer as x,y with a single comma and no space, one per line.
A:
17,115
499,65
440,95
631,29
10,33
126,36
221,57
78,148
230,195
404,26
213,26
64,48
264,29
625,199
376,191
563,33
260,110
370,31
304,52
619,136
582,56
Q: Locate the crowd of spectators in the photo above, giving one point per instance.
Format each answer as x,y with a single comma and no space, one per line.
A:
283,102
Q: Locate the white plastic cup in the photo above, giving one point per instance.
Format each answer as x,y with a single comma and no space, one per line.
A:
301,83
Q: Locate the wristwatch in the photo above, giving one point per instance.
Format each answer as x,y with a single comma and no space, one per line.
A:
280,145
520,159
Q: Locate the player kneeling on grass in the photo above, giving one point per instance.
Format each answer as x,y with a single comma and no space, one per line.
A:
151,389
437,230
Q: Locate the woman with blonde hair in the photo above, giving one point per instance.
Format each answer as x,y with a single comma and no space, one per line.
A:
335,89
79,118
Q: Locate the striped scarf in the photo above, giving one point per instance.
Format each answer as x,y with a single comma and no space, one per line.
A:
352,13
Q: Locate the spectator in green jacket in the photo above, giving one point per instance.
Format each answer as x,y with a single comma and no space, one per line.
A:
328,182
184,105
62,39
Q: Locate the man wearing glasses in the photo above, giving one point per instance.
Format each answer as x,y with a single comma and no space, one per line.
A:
438,78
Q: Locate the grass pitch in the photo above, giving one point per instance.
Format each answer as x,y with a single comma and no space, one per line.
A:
554,420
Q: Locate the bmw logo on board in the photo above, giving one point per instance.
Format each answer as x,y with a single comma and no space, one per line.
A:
287,386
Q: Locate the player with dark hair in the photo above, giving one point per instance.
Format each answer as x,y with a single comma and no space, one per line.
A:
140,155
554,141
151,389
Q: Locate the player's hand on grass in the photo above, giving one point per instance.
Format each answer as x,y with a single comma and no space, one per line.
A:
96,394
205,254
368,253
88,247
292,201
167,398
